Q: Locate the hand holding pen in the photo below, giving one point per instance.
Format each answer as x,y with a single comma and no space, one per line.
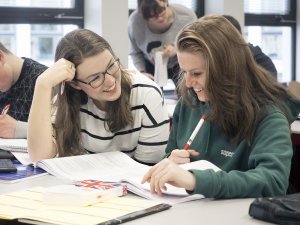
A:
7,124
181,157
61,71
5,109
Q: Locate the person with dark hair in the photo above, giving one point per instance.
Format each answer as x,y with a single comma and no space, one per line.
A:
99,106
248,115
261,58
17,81
153,27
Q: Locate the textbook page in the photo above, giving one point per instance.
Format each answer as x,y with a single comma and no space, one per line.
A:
116,167
17,145
23,157
173,193
28,206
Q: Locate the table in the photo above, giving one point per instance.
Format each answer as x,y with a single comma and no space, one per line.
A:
205,211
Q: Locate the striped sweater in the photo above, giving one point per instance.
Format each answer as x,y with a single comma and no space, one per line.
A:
146,140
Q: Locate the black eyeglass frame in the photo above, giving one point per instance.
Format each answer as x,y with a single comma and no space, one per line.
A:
100,74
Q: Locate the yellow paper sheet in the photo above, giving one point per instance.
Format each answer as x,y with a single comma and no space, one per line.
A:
28,204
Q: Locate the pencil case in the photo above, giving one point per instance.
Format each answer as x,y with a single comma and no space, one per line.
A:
283,210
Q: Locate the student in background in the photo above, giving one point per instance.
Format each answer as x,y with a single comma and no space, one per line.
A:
17,80
261,58
103,107
153,27
247,127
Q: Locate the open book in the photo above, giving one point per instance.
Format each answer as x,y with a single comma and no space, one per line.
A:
118,167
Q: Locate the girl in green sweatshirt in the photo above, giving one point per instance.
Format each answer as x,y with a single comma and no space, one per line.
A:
248,114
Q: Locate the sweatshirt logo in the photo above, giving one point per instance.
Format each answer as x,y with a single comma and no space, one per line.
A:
227,153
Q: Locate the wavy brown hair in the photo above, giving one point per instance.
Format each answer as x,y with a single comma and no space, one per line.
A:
237,89
75,47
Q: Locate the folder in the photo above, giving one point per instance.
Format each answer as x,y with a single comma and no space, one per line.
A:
27,206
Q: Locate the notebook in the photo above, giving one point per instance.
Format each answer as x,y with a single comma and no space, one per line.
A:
27,206
118,167
18,145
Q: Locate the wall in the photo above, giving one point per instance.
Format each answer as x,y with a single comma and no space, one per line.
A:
231,7
109,19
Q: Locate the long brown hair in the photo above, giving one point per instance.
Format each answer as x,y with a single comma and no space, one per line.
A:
75,47
237,89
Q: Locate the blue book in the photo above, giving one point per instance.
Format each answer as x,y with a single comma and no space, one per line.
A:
23,172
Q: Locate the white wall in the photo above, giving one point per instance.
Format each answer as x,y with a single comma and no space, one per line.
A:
234,8
109,19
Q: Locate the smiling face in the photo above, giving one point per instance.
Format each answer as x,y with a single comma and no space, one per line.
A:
193,67
87,71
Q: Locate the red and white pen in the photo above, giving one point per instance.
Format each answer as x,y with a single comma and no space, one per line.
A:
5,109
197,128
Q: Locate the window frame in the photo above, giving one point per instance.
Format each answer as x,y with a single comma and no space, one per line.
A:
278,20
200,8
37,15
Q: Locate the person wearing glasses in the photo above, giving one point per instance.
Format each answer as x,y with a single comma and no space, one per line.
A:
248,115
98,106
153,27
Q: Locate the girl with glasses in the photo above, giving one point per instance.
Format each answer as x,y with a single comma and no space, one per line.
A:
99,106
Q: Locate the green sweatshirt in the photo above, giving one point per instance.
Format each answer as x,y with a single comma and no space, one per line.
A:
261,169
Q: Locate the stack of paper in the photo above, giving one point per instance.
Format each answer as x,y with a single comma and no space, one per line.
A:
27,206
13,145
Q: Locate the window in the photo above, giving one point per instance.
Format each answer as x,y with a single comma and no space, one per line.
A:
271,24
32,28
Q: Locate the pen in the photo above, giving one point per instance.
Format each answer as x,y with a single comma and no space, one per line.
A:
197,128
137,214
5,109
62,87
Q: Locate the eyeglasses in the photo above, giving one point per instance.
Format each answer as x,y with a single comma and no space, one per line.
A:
99,78
158,14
